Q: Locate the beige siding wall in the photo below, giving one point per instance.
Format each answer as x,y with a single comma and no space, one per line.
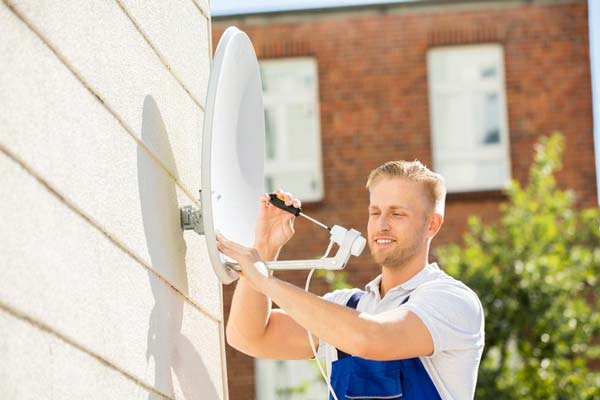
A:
101,294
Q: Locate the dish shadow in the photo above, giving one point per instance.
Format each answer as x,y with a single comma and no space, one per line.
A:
174,355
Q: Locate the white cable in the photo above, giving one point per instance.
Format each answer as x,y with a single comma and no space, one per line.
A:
310,339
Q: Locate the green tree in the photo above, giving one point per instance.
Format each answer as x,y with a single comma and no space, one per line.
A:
536,272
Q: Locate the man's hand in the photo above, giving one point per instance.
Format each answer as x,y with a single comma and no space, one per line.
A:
274,227
253,268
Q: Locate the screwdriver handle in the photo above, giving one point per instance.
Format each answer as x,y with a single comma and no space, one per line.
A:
279,203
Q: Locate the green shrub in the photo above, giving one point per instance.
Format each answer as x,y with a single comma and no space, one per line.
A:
536,272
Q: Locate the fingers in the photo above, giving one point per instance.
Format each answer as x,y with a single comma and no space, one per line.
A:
234,250
221,245
228,243
288,198
227,247
265,199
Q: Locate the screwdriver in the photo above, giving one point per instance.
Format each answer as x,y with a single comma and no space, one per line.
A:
279,202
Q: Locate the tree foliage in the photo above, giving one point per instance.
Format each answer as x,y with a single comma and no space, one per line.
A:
536,271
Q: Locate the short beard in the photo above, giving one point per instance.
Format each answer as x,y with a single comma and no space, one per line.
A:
399,257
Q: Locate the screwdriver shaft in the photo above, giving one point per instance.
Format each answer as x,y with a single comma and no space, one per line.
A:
279,202
314,220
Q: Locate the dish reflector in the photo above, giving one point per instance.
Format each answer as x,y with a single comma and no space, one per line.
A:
233,147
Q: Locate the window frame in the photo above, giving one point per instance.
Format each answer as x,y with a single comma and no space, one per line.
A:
273,101
500,153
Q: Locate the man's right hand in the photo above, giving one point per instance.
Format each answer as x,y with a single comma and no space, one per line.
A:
274,227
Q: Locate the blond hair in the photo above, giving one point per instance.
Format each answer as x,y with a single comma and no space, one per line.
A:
417,172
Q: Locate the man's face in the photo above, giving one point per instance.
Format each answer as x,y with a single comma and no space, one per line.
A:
398,220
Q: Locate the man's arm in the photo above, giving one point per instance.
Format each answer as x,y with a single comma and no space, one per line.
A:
393,335
396,334
253,327
256,329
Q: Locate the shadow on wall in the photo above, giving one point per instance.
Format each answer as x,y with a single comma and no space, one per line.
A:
174,354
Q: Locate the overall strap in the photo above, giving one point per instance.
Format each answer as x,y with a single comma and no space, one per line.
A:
352,303
354,299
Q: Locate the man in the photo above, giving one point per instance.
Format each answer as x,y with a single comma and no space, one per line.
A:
415,333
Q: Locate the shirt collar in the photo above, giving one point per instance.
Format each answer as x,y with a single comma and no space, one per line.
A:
421,277
374,285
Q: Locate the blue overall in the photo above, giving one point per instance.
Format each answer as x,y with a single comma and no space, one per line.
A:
358,378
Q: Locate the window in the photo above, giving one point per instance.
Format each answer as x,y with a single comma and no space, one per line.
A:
292,162
289,380
293,133
468,117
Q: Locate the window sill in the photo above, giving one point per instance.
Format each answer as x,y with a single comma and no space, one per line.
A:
473,196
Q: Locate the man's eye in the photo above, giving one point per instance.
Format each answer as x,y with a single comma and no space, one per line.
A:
373,214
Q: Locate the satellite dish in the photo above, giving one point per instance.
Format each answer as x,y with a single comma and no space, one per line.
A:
233,154
233,147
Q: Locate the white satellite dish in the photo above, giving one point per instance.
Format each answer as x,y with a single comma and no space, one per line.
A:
233,154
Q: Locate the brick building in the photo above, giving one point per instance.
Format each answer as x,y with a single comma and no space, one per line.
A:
380,96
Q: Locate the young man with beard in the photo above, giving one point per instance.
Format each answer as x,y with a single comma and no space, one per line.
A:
414,333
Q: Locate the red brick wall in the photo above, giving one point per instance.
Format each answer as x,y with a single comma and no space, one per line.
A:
374,108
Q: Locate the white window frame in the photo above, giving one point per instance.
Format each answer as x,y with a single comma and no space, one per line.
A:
594,38
444,159
277,102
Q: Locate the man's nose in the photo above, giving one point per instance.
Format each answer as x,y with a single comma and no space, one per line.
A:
383,224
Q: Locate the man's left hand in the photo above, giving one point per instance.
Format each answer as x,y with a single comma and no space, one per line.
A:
253,268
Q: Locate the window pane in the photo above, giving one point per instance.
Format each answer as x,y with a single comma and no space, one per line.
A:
479,175
269,184
300,125
289,380
263,78
288,75
489,72
452,123
270,137
305,183
489,132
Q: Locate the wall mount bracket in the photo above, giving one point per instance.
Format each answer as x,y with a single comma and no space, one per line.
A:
191,219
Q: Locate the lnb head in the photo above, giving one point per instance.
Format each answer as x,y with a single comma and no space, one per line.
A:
339,234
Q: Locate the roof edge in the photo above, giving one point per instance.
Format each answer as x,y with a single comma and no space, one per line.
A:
382,5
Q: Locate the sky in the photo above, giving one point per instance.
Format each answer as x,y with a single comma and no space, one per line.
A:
234,7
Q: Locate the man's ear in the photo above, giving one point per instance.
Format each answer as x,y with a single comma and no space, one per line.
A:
435,223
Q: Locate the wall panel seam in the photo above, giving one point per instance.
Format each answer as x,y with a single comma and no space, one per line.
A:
162,59
210,42
105,104
73,207
69,341
202,11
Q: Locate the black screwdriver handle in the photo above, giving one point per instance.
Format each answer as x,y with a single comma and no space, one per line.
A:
279,203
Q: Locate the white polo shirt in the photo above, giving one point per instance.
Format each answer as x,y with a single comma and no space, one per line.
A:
449,309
